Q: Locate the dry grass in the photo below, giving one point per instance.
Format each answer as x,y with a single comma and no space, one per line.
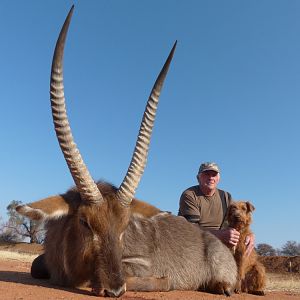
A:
283,282
22,257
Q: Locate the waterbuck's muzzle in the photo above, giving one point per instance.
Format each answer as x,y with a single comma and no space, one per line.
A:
110,292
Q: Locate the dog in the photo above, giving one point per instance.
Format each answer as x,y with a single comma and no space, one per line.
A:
251,273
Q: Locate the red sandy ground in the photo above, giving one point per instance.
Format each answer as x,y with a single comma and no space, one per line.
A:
16,283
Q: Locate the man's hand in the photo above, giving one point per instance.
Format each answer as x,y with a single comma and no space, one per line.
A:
249,242
229,236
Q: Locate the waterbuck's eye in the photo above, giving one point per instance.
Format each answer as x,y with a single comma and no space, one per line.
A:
84,223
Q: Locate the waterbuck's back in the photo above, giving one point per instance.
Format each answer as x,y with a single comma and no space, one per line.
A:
169,246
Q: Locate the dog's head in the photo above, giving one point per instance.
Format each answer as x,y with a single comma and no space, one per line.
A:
239,214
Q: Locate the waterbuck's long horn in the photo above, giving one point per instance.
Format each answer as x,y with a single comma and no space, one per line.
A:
82,178
137,165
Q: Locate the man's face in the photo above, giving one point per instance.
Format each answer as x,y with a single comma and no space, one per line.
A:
209,179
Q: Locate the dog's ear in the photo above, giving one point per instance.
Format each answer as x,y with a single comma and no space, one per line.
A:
250,206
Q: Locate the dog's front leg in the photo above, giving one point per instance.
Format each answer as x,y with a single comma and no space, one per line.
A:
241,275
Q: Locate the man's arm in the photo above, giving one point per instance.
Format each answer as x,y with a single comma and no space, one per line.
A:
188,207
249,242
229,236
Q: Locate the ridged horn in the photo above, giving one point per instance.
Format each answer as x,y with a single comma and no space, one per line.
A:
137,165
82,178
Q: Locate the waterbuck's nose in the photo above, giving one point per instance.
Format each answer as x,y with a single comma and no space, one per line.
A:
115,292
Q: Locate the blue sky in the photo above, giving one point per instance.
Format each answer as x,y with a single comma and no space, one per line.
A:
232,96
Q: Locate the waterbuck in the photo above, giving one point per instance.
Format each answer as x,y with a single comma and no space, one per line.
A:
99,235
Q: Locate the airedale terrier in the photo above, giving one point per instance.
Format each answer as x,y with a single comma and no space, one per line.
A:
251,273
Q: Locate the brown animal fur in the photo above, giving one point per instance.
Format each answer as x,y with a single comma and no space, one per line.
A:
251,273
148,249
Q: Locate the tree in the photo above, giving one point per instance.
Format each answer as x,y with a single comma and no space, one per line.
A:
6,235
19,227
291,248
265,250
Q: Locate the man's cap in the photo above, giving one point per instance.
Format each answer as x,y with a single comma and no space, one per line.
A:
209,166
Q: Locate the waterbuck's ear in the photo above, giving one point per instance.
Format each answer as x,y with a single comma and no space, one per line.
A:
49,208
250,206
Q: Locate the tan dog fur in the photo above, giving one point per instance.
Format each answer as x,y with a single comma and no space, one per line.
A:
251,273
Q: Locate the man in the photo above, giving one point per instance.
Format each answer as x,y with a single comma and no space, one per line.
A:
206,206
